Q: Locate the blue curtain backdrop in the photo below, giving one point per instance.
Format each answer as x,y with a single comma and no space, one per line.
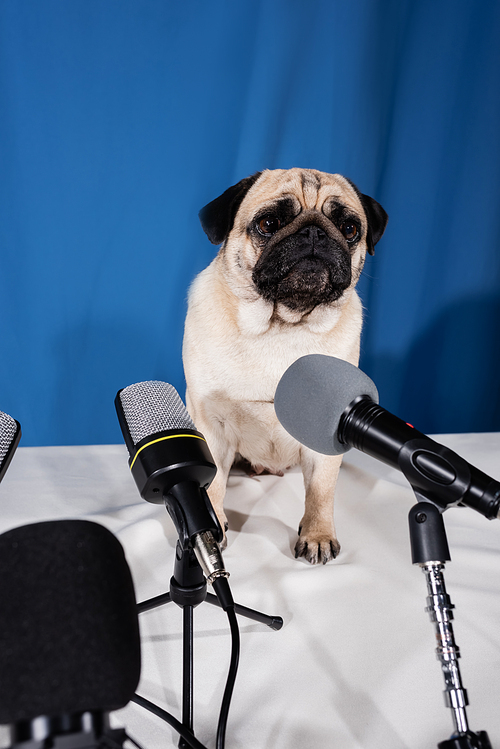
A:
120,119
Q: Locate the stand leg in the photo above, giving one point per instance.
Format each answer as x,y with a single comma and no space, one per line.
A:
274,622
188,588
153,603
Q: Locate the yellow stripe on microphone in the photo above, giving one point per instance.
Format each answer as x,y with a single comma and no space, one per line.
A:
162,439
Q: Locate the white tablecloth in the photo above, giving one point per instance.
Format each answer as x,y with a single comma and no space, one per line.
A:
354,664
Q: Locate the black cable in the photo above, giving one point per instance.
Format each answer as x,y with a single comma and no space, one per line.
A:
176,725
231,677
221,587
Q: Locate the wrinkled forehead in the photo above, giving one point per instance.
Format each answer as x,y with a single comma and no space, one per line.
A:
308,188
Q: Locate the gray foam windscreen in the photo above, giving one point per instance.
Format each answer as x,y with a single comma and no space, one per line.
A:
313,394
151,407
8,431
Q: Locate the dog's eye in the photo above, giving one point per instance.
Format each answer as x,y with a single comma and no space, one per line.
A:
268,225
349,230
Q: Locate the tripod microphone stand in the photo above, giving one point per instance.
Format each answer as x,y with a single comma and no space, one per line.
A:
172,465
429,548
188,588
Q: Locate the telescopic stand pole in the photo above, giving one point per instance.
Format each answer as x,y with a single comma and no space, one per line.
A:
429,547
188,588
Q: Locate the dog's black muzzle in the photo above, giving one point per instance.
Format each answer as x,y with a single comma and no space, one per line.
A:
304,269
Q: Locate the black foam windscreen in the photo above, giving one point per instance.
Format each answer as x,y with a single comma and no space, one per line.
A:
69,633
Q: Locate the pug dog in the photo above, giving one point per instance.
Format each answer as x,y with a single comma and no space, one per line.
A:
293,244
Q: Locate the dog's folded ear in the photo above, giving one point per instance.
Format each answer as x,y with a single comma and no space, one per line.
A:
217,217
377,221
376,216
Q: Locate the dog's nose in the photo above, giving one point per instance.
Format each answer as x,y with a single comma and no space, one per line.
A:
312,232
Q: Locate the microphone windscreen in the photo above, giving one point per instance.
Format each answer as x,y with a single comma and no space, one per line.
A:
69,633
313,394
151,407
10,433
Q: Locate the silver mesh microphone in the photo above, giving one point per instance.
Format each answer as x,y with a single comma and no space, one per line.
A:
152,407
10,434
171,464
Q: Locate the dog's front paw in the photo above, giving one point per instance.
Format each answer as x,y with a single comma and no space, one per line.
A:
316,547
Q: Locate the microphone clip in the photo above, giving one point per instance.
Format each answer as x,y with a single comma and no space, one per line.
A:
191,518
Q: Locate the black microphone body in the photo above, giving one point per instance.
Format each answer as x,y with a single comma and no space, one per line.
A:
172,465
329,405
431,468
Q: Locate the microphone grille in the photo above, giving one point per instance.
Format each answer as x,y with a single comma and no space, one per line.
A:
8,430
313,394
151,407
